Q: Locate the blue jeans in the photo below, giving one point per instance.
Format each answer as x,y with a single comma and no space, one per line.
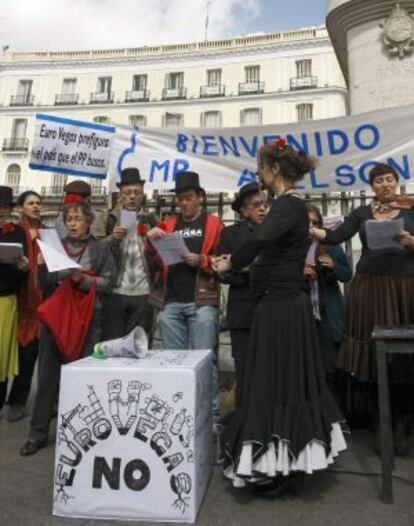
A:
184,326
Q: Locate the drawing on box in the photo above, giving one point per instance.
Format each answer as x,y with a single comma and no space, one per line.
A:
131,403
181,486
61,480
158,409
190,456
183,427
178,397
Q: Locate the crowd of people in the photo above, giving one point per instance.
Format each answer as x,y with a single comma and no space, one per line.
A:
299,349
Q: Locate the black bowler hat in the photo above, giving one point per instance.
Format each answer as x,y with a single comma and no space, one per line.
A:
130,176
6,195
187,181
246,190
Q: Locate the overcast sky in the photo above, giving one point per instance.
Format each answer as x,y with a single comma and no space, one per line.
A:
84,24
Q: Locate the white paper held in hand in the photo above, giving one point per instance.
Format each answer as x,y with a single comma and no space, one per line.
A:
171,248
10,252
382,233
51,237
54,259
129,221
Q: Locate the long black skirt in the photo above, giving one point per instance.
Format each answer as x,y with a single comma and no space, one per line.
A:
288,419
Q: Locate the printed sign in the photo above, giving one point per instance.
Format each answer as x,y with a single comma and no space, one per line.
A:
134,437
345,148
71,147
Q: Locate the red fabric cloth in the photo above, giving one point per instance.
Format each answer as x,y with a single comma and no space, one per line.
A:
68,313
30,296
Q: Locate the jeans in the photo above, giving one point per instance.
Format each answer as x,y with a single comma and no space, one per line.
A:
184,326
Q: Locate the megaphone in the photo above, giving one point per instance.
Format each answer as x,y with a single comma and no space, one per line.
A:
134,345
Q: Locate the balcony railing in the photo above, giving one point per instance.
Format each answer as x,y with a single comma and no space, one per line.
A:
219,90
22,100
102,96
59,190
15,145
137,95
309,82
174,93
248,88
66,98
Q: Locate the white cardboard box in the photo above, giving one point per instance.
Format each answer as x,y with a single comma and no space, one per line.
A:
134,437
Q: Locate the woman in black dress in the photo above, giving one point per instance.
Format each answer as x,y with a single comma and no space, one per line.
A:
288,420
382,293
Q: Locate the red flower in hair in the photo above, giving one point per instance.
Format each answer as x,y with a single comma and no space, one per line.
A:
281,142
142,229
7,228
71,198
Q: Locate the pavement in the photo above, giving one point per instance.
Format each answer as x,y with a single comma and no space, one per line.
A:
345,495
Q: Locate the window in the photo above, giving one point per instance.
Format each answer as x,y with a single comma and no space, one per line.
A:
173,120
251,117
58,184
25,88
139,82
252,73
304,112
96,185
303,68
105,85
101,119
19,129
69,86
213,77
137,121
13,177
211,119
175,80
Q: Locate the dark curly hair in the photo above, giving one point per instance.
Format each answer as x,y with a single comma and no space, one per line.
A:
22,197
294,164
382,169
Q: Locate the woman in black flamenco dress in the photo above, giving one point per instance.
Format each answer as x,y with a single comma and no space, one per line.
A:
288,420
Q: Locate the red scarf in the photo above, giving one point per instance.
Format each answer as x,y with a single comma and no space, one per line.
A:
29,296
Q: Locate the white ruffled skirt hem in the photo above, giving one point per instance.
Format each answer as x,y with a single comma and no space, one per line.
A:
278,459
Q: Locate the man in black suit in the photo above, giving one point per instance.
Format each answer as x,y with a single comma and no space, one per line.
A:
252,207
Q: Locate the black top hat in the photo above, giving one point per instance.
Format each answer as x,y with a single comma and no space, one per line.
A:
187,181
246,190
6,195
130,176
79,187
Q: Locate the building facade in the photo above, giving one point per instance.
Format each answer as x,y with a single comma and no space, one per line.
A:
260,79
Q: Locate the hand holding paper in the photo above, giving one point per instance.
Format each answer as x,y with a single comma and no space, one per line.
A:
171,248
55,257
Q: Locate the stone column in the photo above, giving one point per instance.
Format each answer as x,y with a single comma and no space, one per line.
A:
375,77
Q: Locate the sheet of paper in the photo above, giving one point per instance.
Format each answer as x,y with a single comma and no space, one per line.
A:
129,221
51,237
381,233
9,252
171,248
55,260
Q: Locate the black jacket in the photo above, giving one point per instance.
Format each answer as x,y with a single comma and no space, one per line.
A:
240,305
11,278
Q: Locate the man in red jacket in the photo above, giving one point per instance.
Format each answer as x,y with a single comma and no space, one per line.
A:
188,293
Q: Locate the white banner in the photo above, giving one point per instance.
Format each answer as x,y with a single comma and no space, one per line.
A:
346,149
71,147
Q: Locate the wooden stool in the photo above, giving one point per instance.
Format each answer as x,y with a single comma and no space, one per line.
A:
388,340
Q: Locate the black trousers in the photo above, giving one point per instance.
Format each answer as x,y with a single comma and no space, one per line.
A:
50,364
239,344
20,390
121,314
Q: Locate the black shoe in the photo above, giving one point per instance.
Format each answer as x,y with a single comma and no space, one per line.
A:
276,486
32,447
